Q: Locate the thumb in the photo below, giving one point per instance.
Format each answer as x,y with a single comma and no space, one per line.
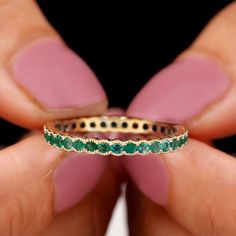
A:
198,188
33,186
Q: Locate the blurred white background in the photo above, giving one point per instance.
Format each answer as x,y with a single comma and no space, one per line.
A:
118,225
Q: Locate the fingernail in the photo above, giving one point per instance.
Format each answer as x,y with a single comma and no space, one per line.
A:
76,177
176,94
181,91
55,76
151,177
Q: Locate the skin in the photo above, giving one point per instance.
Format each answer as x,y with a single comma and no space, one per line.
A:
211,209
18,216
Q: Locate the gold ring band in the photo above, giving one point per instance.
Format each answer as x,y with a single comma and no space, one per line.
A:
139,136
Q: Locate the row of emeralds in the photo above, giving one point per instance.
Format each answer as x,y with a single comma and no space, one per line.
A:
115,147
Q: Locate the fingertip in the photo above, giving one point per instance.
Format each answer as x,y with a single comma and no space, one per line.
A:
75,177
150,175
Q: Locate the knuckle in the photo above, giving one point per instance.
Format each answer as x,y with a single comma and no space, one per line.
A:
18,216
12,219
23,210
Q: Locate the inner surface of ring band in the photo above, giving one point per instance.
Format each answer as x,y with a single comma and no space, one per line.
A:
120,124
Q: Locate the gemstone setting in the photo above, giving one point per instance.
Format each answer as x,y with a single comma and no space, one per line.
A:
155,147
165,146
174,144
104,147
91,146
67,143
130,148
78,145
58,141
143,148
117,148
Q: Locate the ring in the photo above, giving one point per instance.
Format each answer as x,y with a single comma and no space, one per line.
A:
139,136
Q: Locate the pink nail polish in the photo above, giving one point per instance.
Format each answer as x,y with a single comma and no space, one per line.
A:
151,176
181,91
55,76
176,94
75,177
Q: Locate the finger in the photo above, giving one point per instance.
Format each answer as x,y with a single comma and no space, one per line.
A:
198,187
41,78
199,87
36,183
91,216
147,218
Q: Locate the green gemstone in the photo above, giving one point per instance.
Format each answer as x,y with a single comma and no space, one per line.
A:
185,139
46,136
91,146
117,148
130,148
78,145
50,139
180,142
174,144
103,147
143,148
165,146
67,143
155,147
58,141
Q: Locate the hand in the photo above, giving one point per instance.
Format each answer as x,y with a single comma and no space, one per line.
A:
42,79
192,191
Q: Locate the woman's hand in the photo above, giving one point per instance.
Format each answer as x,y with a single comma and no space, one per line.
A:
42,79
193,190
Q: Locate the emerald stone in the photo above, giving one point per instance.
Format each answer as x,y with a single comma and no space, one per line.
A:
78,145
143,148
117,148
58,141
185,139
180,142
46,136
165,146
174,144
130,148
51,139
91,146
103,147
67,143
155,147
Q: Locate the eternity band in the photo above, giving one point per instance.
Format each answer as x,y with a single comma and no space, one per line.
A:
133,135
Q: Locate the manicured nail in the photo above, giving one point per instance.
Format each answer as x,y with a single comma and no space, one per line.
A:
181,91
76,177
151,176
55,76
176,94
